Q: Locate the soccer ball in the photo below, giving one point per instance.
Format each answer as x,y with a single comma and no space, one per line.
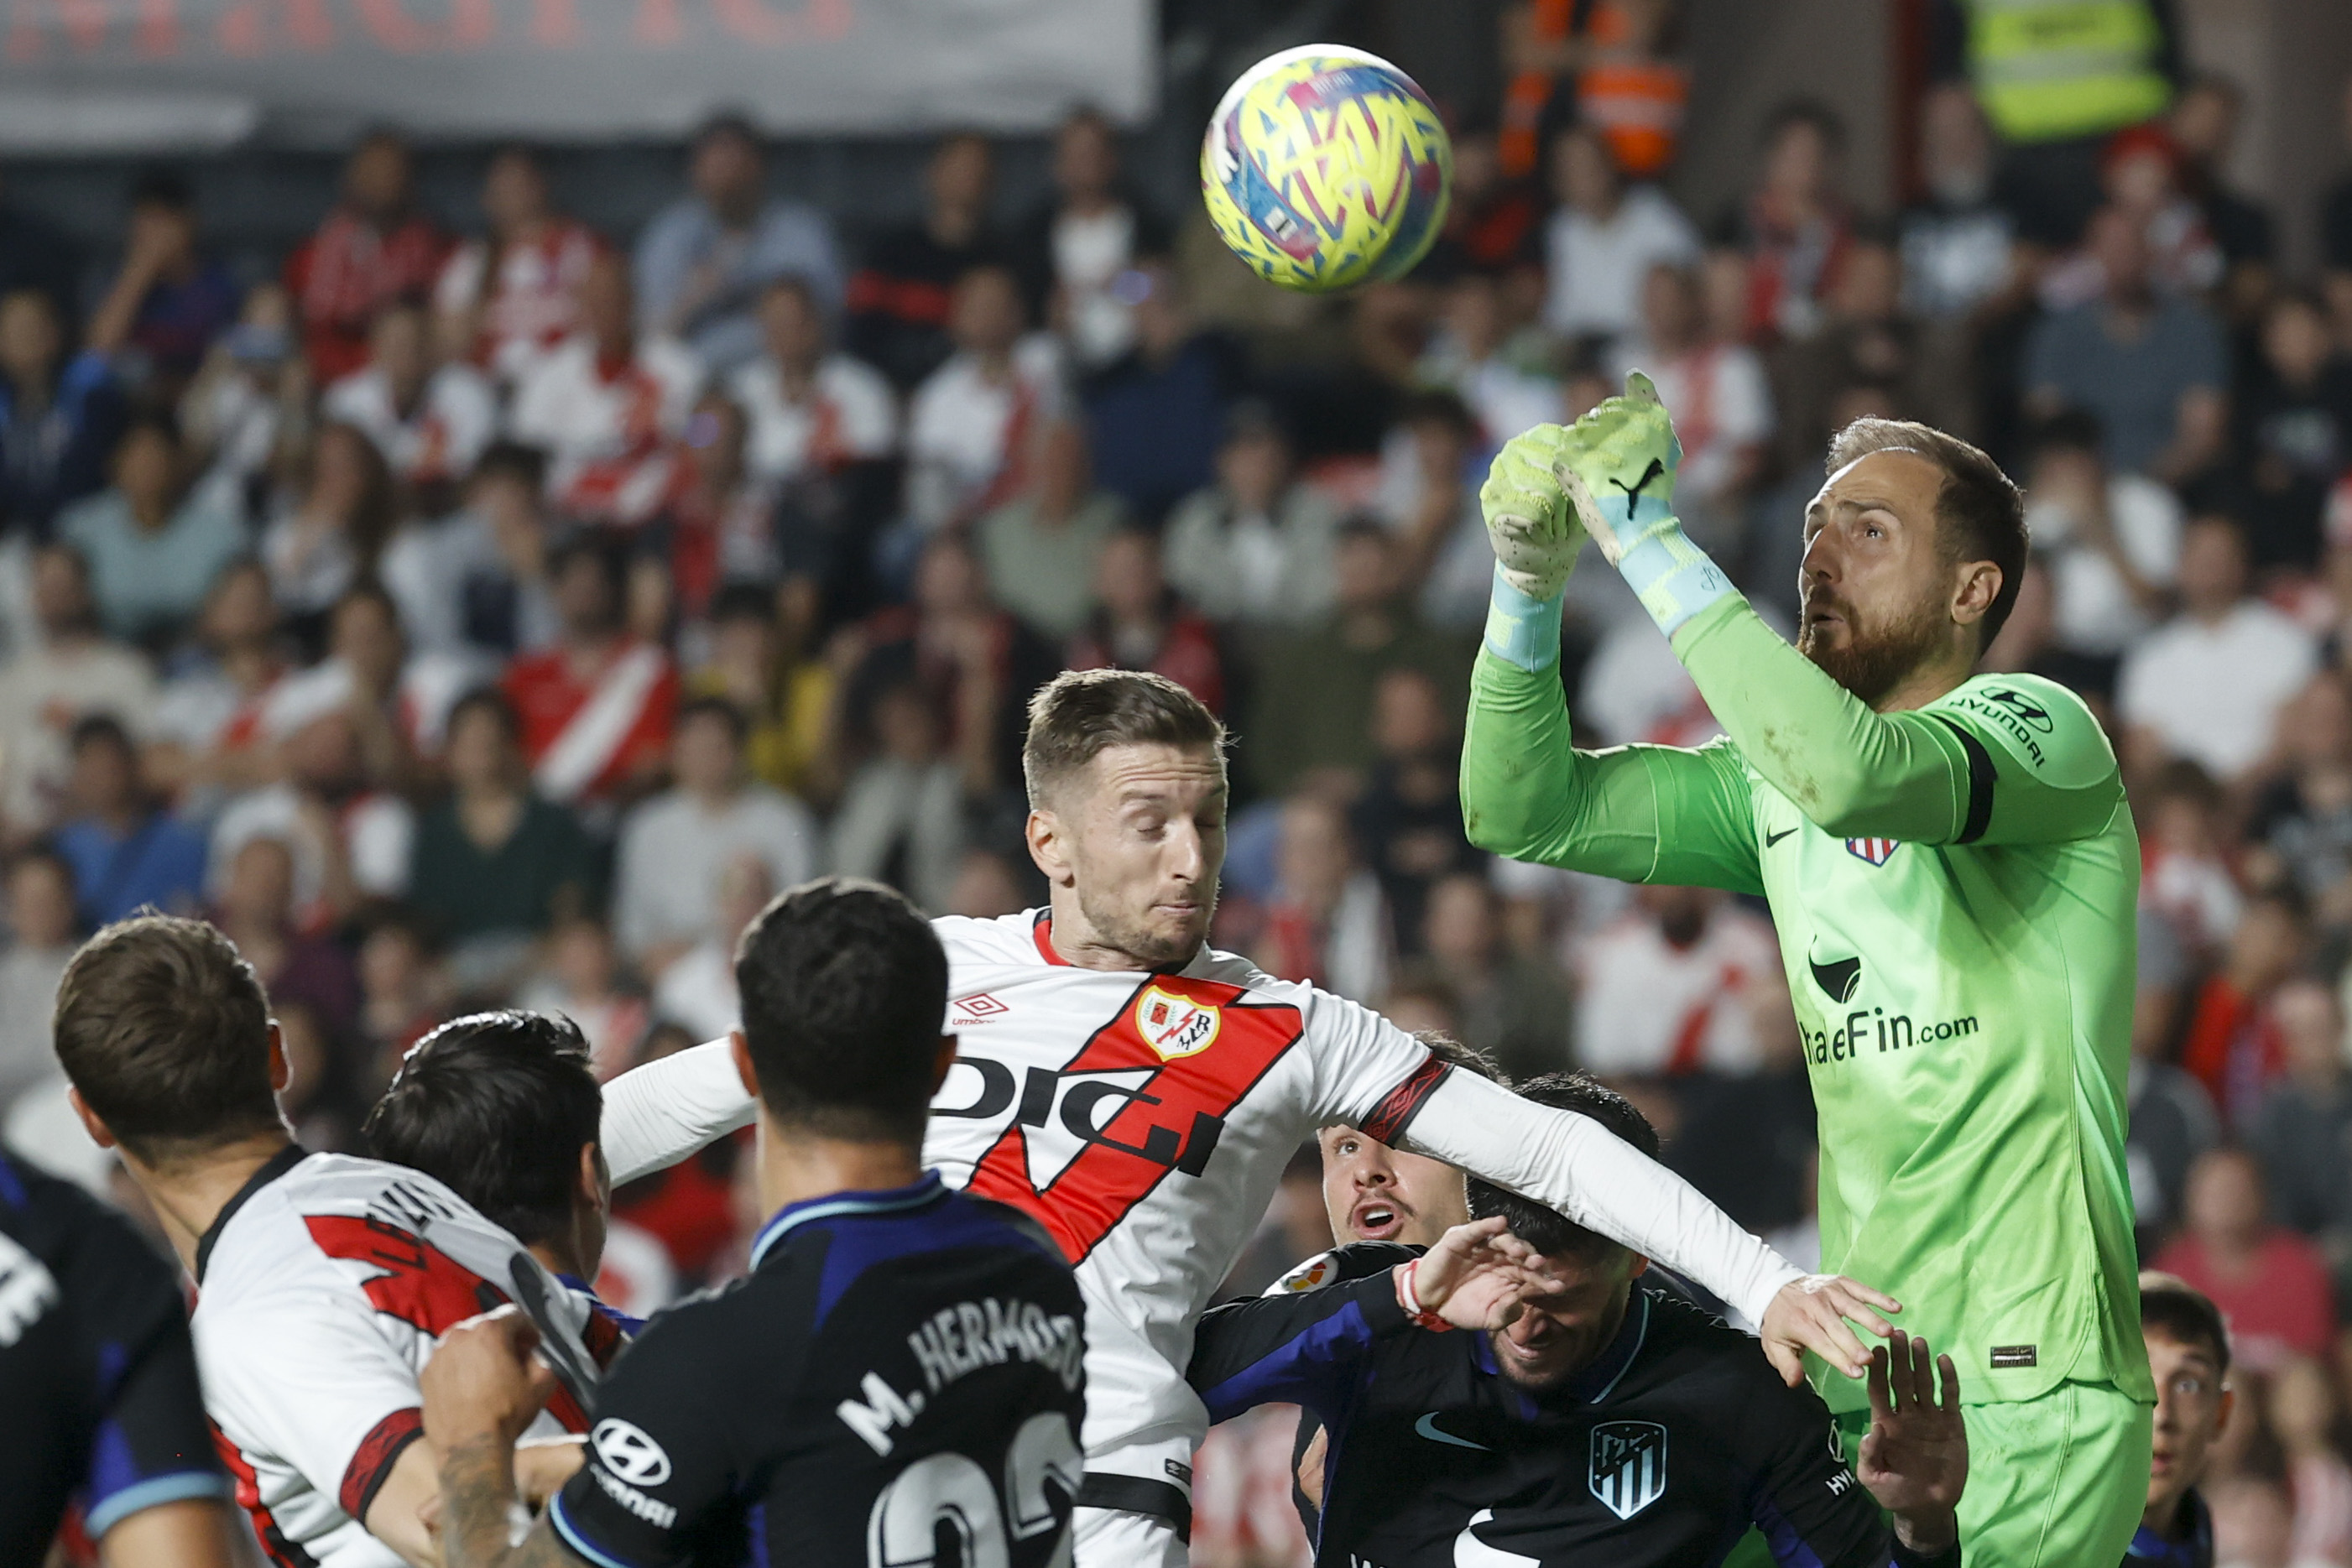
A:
1326,167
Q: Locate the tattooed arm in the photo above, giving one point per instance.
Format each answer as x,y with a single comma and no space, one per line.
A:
481,1389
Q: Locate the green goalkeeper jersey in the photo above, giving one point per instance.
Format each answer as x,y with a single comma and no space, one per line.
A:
1954,892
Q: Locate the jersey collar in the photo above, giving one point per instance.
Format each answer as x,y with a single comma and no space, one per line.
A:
284,1160
2195,1551
927,1189
1042,930
1599,1381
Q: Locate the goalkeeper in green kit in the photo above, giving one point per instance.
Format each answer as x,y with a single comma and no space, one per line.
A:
1952,871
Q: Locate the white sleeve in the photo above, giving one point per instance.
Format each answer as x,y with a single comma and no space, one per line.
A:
1572,1164
657,1115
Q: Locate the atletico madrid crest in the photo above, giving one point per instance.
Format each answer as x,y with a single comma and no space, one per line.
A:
1175,1025
1877,852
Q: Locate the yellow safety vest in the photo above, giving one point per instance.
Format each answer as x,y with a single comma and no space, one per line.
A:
2046,70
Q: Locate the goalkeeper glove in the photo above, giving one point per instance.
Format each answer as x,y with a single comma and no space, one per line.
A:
1536,536
1619,475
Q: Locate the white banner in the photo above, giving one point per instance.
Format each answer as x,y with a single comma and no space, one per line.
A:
130,75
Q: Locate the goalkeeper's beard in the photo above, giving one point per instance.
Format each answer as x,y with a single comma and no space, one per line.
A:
1874,658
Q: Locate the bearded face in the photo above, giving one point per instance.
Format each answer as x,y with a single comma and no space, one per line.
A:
1869,651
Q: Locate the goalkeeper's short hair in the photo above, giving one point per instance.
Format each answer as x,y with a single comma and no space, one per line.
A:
1546,1230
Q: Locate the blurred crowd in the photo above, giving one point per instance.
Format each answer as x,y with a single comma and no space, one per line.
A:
472,619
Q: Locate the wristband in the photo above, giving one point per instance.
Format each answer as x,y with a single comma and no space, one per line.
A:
1422,1316
1673,577
1523,631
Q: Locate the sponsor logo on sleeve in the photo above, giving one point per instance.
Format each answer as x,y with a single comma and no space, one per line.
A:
629,1451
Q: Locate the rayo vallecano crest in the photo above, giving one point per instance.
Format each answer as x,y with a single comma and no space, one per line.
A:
1175,1025
1629,1465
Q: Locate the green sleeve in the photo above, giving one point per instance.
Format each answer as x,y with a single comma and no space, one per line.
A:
1638,813
1999,759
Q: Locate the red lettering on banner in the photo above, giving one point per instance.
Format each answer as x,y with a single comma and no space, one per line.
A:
754,23
243,32
554,24
84,22
657,22
470,25
1168,1123
159,28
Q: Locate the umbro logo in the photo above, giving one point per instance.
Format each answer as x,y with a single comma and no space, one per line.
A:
977,1008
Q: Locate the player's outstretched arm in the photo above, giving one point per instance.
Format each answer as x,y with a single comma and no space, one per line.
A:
1574,1164
657,1115
1926,777
1636,813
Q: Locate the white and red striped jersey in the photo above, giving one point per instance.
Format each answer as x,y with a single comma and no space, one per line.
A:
322,1289
440,438
529,304
1144,1119
586,731
848,415
610,425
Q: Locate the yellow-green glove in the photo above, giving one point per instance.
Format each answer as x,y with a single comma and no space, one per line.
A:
1618,469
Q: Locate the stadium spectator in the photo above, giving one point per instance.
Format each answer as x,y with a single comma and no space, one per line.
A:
1256,547
674,847
37,254
811,408
697,989
1723,382
1602,240
1957,242
2271,1284
207,736
2300,829
1865,339
2204,123
126,852
1324,922
168,301
2171,1117
2208,683
1503,377
759,661
2298,1129
71,670
59,416
510,297
2110,542
1080,243
1796,226
251,400
2153,368
404,989
373,249
2232,1041
332,533
1664,989
479,580
1040,548
1409,817
351,839
1516,1010
971,424
256,910
2188,1351
43,930
702,261
898,296
1138,624
2292,435
1316,685
1748,1138
494,861
1153,414
581,980
153,543
2304,1410
1430,471
901,816
1494,223
430,421
607,405
595,709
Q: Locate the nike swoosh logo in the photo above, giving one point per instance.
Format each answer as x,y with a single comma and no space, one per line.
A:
1771,838
1427,1427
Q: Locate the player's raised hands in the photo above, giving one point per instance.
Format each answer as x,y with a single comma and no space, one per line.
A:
484,1383
1810,1313
1619,469
1475,1275
1915,1459
1529,521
